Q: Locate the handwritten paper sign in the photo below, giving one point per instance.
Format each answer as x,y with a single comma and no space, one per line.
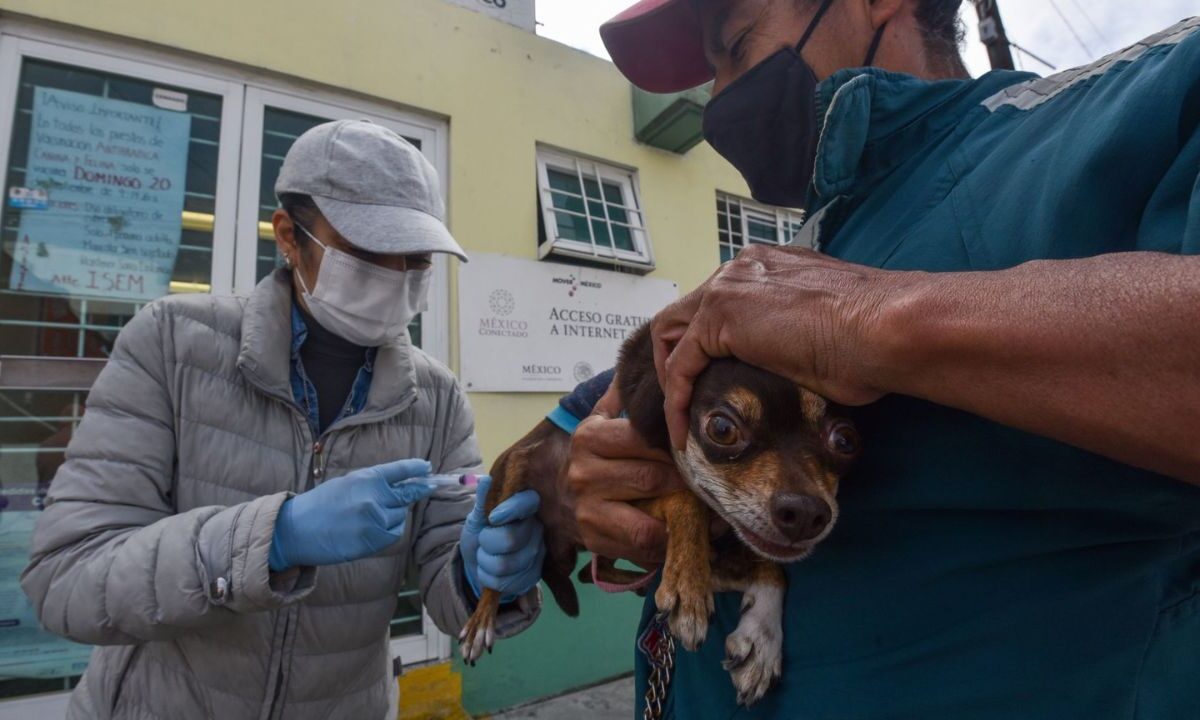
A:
114,173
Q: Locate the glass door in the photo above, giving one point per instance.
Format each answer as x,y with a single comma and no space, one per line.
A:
273,122
111,199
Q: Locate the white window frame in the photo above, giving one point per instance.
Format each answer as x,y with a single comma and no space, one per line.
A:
235,238
641,259
433,134
14,50
785,220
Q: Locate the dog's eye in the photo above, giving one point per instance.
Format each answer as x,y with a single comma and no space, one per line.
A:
843,439
722,431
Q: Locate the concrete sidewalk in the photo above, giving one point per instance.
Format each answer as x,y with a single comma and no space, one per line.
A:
610,701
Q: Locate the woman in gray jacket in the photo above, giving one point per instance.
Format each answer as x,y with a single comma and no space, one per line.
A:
231,526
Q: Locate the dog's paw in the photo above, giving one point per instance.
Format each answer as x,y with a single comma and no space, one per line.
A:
754,651
688,610
478,635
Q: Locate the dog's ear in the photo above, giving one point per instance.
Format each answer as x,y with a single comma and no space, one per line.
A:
641,395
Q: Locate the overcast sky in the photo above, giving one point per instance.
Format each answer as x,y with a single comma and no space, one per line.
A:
1091,28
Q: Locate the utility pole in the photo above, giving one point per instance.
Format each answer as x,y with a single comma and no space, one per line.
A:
991,33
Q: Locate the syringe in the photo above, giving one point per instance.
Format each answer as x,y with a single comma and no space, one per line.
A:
436,481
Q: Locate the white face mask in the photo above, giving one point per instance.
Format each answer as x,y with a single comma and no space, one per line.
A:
362,302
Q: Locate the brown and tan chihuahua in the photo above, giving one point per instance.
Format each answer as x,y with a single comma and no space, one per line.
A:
763,454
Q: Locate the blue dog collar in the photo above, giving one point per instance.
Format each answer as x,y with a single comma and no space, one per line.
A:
563,419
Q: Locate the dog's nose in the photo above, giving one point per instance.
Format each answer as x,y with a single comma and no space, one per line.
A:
799,517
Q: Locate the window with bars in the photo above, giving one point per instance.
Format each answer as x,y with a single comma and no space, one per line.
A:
590,211
744,222
85,324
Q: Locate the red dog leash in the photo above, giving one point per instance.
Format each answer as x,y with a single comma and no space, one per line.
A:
608,587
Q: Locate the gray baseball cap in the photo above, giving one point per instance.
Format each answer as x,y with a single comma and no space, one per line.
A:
372,185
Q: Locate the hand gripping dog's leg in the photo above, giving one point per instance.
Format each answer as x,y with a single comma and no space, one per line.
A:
686,590
479,634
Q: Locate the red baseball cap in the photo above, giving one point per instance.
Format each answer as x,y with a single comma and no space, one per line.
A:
658,45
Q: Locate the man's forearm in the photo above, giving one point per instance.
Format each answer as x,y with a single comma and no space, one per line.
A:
1102,353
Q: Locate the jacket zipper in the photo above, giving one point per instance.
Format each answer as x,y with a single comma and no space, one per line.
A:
283,643
317,468
289,613
320,460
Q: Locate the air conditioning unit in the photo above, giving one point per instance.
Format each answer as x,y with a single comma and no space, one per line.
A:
670,121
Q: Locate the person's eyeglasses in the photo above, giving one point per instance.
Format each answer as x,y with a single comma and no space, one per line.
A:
423,261
418,262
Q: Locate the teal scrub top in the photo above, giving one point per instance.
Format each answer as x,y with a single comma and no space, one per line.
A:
978,572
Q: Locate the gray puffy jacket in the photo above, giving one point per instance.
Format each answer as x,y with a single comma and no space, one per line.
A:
154,540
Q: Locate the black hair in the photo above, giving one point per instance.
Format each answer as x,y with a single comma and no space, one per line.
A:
942,32
301,209
942,29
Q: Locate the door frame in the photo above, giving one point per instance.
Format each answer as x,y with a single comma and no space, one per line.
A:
18,43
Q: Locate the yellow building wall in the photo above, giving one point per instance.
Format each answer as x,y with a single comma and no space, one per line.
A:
502,90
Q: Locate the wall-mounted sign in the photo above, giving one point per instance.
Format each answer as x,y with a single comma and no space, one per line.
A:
114,173
529,326
514,12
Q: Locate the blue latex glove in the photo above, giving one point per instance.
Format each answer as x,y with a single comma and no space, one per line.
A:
350,517
503,551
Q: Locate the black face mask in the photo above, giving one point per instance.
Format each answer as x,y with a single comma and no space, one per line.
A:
765,122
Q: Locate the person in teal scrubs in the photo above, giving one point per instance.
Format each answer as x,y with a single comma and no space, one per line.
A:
1008,293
